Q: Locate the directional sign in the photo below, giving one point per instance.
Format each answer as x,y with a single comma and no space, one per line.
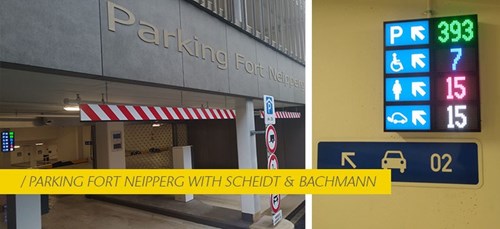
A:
271,139
421,162
269,115
7,141
407,89
407,33
272,161
407,117
432,62
277,217
346,158
406,61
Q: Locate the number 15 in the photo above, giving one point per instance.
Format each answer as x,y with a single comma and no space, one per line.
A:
455,83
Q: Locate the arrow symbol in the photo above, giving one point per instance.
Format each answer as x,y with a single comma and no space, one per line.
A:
416,32
417,59
417,87
345,157
417,116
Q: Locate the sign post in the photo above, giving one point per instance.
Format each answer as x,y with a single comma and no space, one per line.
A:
272,160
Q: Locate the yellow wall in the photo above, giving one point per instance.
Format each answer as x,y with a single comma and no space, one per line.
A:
348,106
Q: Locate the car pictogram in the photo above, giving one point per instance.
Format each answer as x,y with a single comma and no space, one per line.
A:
393,159
397,117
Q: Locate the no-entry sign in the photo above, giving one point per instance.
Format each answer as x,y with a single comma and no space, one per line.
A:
272,162
275,202
271,139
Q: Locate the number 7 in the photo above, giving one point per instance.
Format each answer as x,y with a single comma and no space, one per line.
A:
457,57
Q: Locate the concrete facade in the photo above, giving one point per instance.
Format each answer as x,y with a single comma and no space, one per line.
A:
170,43
60,35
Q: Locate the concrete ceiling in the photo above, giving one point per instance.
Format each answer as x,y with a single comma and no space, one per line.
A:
25,94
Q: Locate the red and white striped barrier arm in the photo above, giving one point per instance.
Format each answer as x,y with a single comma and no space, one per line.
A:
283,114
105,112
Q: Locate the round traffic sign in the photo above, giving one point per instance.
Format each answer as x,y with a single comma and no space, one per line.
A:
275,202
272,162
271,139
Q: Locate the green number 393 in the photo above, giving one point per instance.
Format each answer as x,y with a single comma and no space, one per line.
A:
455,31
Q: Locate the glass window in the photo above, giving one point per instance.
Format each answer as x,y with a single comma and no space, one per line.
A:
265,21
209,4
302,30
286,28
230,11
222,8
273,28
258,18
293,28
280,23
238,13
249,16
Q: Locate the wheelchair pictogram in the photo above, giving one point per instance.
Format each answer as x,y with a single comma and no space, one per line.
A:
396,64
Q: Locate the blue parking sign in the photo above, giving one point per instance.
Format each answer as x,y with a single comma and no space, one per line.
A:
407,33
269,116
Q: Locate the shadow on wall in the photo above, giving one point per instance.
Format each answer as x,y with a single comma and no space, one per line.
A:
214,144
215,147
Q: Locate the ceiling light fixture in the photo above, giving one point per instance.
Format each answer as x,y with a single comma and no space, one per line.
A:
71,108
72,104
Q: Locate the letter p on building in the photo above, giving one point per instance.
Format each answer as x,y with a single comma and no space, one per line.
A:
112,20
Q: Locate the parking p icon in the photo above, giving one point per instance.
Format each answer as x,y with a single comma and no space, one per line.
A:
395,31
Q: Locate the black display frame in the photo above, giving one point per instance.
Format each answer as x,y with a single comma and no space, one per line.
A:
435,74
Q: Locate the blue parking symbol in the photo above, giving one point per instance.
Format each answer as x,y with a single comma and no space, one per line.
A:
269,105
407,33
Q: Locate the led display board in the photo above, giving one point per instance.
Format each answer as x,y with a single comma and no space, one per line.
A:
431,75
7,141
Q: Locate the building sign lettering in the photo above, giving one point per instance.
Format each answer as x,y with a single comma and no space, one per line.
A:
195,47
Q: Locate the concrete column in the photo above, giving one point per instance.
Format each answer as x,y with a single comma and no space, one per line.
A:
24,211
110,145
247,154
182,160
32,154
80,142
